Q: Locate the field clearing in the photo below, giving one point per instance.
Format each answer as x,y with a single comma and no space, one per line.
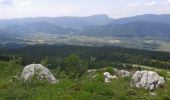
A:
164,46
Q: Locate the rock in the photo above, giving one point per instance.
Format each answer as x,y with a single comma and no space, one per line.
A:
40,71
115,70
91,70
94,76
147,79
17,77
168,79
107,80
153,94
124,73
108,77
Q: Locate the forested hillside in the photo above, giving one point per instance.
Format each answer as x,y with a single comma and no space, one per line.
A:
95,57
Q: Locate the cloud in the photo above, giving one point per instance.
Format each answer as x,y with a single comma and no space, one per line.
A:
151,3
15,2
168,1
6,2
22,2
164,10
134,4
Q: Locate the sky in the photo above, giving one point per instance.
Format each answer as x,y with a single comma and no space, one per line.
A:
10,9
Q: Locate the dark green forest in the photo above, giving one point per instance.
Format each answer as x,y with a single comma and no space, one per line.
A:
93,57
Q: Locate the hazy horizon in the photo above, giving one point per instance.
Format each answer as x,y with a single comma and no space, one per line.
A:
11,9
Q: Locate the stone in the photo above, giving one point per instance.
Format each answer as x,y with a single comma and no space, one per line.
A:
40,71
147,79
108,77
153,94
91,70
124,73
94,76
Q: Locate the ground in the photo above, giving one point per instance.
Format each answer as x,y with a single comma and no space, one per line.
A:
84,88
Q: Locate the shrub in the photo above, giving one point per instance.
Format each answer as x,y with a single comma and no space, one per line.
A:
74,66
110,70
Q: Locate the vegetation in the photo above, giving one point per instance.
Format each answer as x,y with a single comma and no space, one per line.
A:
69,64
85,88
74,66
94,57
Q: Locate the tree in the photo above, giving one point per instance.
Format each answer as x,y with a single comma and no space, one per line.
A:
44,61
74,66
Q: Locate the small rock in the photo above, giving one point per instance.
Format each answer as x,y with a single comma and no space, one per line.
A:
168,79
153,94
124,73
108,77
17,77
91,70
94,76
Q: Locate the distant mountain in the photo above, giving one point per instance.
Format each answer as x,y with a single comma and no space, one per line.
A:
37,27
133,29
71,22
164,18
5,36
137,26
97,25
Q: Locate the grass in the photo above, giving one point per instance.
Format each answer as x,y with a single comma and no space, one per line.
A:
164,46
84,88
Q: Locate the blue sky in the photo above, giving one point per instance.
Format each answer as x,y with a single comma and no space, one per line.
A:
53,8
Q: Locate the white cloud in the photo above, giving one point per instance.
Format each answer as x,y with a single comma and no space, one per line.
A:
151,3
134,4
168,1
6,2
164,9
15,2
22,2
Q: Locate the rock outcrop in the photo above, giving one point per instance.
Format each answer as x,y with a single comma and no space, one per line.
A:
124,73
40,71
108,77
147,79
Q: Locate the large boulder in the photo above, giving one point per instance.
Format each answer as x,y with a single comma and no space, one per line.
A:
124,73
108,77
147,79
40,71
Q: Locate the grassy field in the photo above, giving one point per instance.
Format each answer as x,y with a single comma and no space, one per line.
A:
84,88
147,43
165,46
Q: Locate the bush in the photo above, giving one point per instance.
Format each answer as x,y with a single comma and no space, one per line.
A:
74,66
110,70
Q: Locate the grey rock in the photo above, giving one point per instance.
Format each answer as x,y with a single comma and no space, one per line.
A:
147,79
124,73
40,71
108,77
153,94
91,70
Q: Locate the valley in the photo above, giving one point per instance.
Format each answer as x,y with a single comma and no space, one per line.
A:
84,49
148,43
148,32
